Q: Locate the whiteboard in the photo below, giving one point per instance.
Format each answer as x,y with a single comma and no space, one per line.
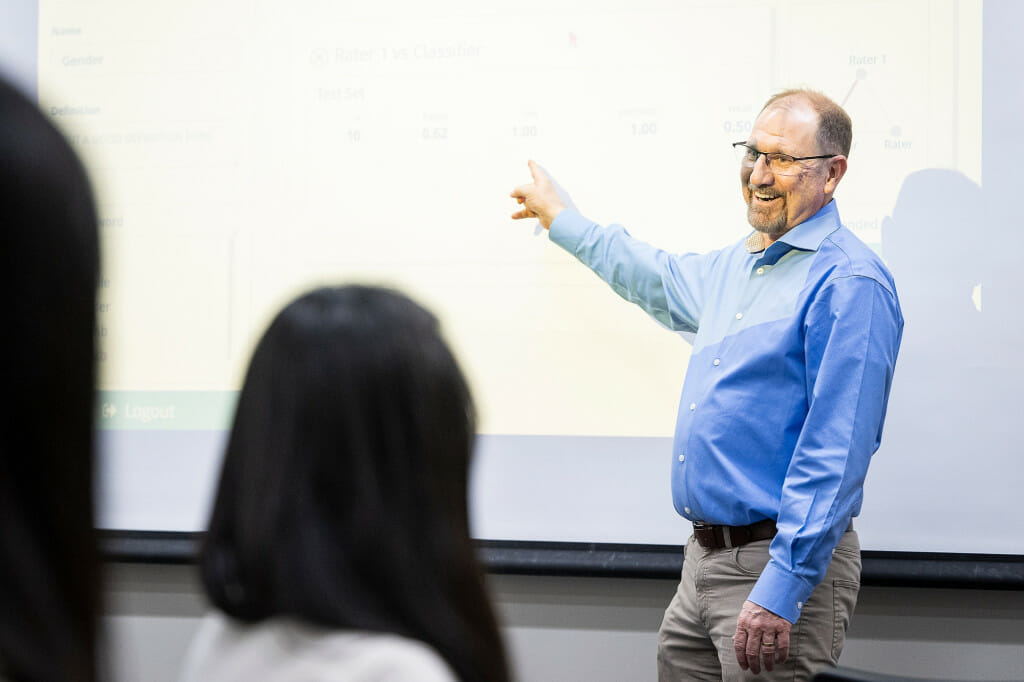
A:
245,151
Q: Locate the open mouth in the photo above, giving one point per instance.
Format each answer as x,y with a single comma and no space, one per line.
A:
765,197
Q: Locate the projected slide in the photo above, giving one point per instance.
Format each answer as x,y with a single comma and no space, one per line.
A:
243,152
245,156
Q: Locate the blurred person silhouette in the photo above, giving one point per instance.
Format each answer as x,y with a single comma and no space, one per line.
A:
338,546
49,269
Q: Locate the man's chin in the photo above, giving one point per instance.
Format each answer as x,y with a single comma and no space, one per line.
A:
772,228
773,231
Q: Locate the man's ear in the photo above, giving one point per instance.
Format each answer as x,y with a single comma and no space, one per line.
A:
836,171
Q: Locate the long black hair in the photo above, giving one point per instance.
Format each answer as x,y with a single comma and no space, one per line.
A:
49,268
342,497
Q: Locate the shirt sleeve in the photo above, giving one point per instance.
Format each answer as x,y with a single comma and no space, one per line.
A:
666,286
852,335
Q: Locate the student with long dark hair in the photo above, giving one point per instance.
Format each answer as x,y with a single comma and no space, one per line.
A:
339,547
49,269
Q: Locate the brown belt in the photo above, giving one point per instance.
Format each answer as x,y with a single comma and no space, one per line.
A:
724,537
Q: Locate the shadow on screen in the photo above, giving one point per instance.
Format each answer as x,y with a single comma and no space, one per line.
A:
955,395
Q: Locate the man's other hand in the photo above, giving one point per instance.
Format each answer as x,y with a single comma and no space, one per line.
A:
761,637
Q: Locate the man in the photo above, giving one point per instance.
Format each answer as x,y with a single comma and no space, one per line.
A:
797,330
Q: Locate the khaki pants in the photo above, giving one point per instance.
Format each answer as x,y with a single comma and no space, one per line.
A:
695,640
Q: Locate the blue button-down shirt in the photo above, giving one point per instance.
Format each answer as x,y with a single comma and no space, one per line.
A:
785,394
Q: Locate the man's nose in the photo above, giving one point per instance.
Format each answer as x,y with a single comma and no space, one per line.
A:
761,174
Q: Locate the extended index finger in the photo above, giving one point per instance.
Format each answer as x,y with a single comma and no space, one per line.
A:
537,172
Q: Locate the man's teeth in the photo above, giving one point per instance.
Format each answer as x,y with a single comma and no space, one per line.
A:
765,197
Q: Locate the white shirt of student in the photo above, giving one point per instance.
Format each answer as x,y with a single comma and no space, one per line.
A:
284,650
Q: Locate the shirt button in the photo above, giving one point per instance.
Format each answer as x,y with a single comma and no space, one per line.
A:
799,604
693,406
760,271
686,509
739,316
682,458
717,362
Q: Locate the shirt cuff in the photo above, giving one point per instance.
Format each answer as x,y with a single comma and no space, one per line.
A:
781,592
567,229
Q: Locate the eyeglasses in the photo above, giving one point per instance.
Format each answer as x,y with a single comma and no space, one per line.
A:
782,164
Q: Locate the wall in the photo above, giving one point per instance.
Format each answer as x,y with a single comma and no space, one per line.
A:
603,630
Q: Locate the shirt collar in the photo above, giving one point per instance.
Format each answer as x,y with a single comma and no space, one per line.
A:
807,236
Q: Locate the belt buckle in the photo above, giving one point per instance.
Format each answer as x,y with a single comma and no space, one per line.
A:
708,532
705,534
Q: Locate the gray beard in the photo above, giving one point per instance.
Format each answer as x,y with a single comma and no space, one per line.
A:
773,229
